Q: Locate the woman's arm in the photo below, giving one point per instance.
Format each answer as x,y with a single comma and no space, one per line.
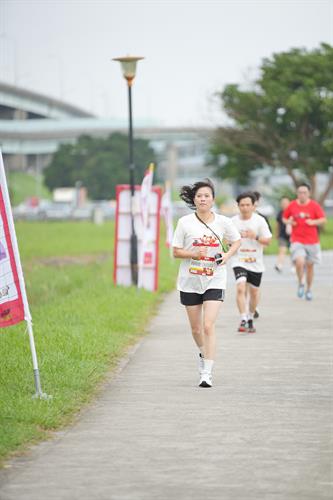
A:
232,250
181,253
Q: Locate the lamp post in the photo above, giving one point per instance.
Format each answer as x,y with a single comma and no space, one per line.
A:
128,65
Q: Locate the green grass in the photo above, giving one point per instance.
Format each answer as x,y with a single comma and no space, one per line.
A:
82,325
51,239
22,186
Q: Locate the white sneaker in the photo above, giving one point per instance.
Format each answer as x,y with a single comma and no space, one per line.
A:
201,364
205,379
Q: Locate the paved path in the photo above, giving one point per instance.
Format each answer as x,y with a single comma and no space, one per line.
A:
264,431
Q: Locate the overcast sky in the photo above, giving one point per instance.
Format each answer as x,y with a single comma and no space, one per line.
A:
192,48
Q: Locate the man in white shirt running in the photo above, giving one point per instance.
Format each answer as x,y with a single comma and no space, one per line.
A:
247,263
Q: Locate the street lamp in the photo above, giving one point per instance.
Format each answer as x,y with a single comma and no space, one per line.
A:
128,65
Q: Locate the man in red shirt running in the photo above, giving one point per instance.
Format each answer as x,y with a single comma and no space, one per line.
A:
304,215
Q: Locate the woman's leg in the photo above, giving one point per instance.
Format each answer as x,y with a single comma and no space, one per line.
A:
194,314
211,309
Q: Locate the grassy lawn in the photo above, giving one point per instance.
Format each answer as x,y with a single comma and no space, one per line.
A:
82,325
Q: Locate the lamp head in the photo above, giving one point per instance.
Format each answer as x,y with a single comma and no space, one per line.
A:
128,66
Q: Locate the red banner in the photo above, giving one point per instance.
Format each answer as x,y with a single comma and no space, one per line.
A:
12,290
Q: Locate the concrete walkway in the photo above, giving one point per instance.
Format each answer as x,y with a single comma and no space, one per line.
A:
264,431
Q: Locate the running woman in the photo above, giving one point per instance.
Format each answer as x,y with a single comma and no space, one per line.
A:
305,216
248,263
198,241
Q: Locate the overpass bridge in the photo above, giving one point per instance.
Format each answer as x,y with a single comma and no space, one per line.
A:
32,127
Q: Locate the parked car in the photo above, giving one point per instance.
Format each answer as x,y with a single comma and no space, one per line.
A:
28,211
58,211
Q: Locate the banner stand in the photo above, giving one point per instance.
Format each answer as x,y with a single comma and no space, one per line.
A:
14,306
39,394
148,245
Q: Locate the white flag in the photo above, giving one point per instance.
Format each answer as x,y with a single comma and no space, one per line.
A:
145,192
167,212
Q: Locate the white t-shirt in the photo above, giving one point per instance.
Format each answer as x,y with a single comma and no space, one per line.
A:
250,253
197,276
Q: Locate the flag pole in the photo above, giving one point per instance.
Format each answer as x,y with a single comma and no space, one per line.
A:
39,394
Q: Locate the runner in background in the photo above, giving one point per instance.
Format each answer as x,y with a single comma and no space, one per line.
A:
198,241
283,232
248,262
257,196
305,216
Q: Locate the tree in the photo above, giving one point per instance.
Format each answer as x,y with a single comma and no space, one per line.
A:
100,164
285,120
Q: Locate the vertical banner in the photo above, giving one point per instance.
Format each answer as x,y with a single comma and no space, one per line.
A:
167,212
150,256
13,299
147,235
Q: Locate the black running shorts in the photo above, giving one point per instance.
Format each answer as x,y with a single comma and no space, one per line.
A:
193,299
250,276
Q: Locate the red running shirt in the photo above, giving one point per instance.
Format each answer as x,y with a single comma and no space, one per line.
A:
301,232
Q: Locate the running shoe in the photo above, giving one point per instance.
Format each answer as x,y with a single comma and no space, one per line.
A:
250,326
308,295
205,379
243,326
300,291
201,364
256,314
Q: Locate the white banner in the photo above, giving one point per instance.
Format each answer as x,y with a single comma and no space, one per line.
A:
147,235
167,212
122,267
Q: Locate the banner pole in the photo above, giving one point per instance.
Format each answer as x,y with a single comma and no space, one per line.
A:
39,394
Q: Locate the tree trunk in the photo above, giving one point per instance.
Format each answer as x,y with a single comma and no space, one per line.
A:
293,176
313,184
326,191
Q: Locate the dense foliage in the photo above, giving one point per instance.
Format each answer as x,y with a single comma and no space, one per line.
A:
285,120
100,164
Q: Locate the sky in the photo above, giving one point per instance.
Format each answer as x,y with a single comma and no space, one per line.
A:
192,49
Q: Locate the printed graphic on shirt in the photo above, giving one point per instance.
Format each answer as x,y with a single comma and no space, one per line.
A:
206,241
302,215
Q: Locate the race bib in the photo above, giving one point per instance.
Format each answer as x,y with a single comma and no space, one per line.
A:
248,255
204,267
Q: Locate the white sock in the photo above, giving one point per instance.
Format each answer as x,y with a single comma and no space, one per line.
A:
243,317
208,365
201,349
250,316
